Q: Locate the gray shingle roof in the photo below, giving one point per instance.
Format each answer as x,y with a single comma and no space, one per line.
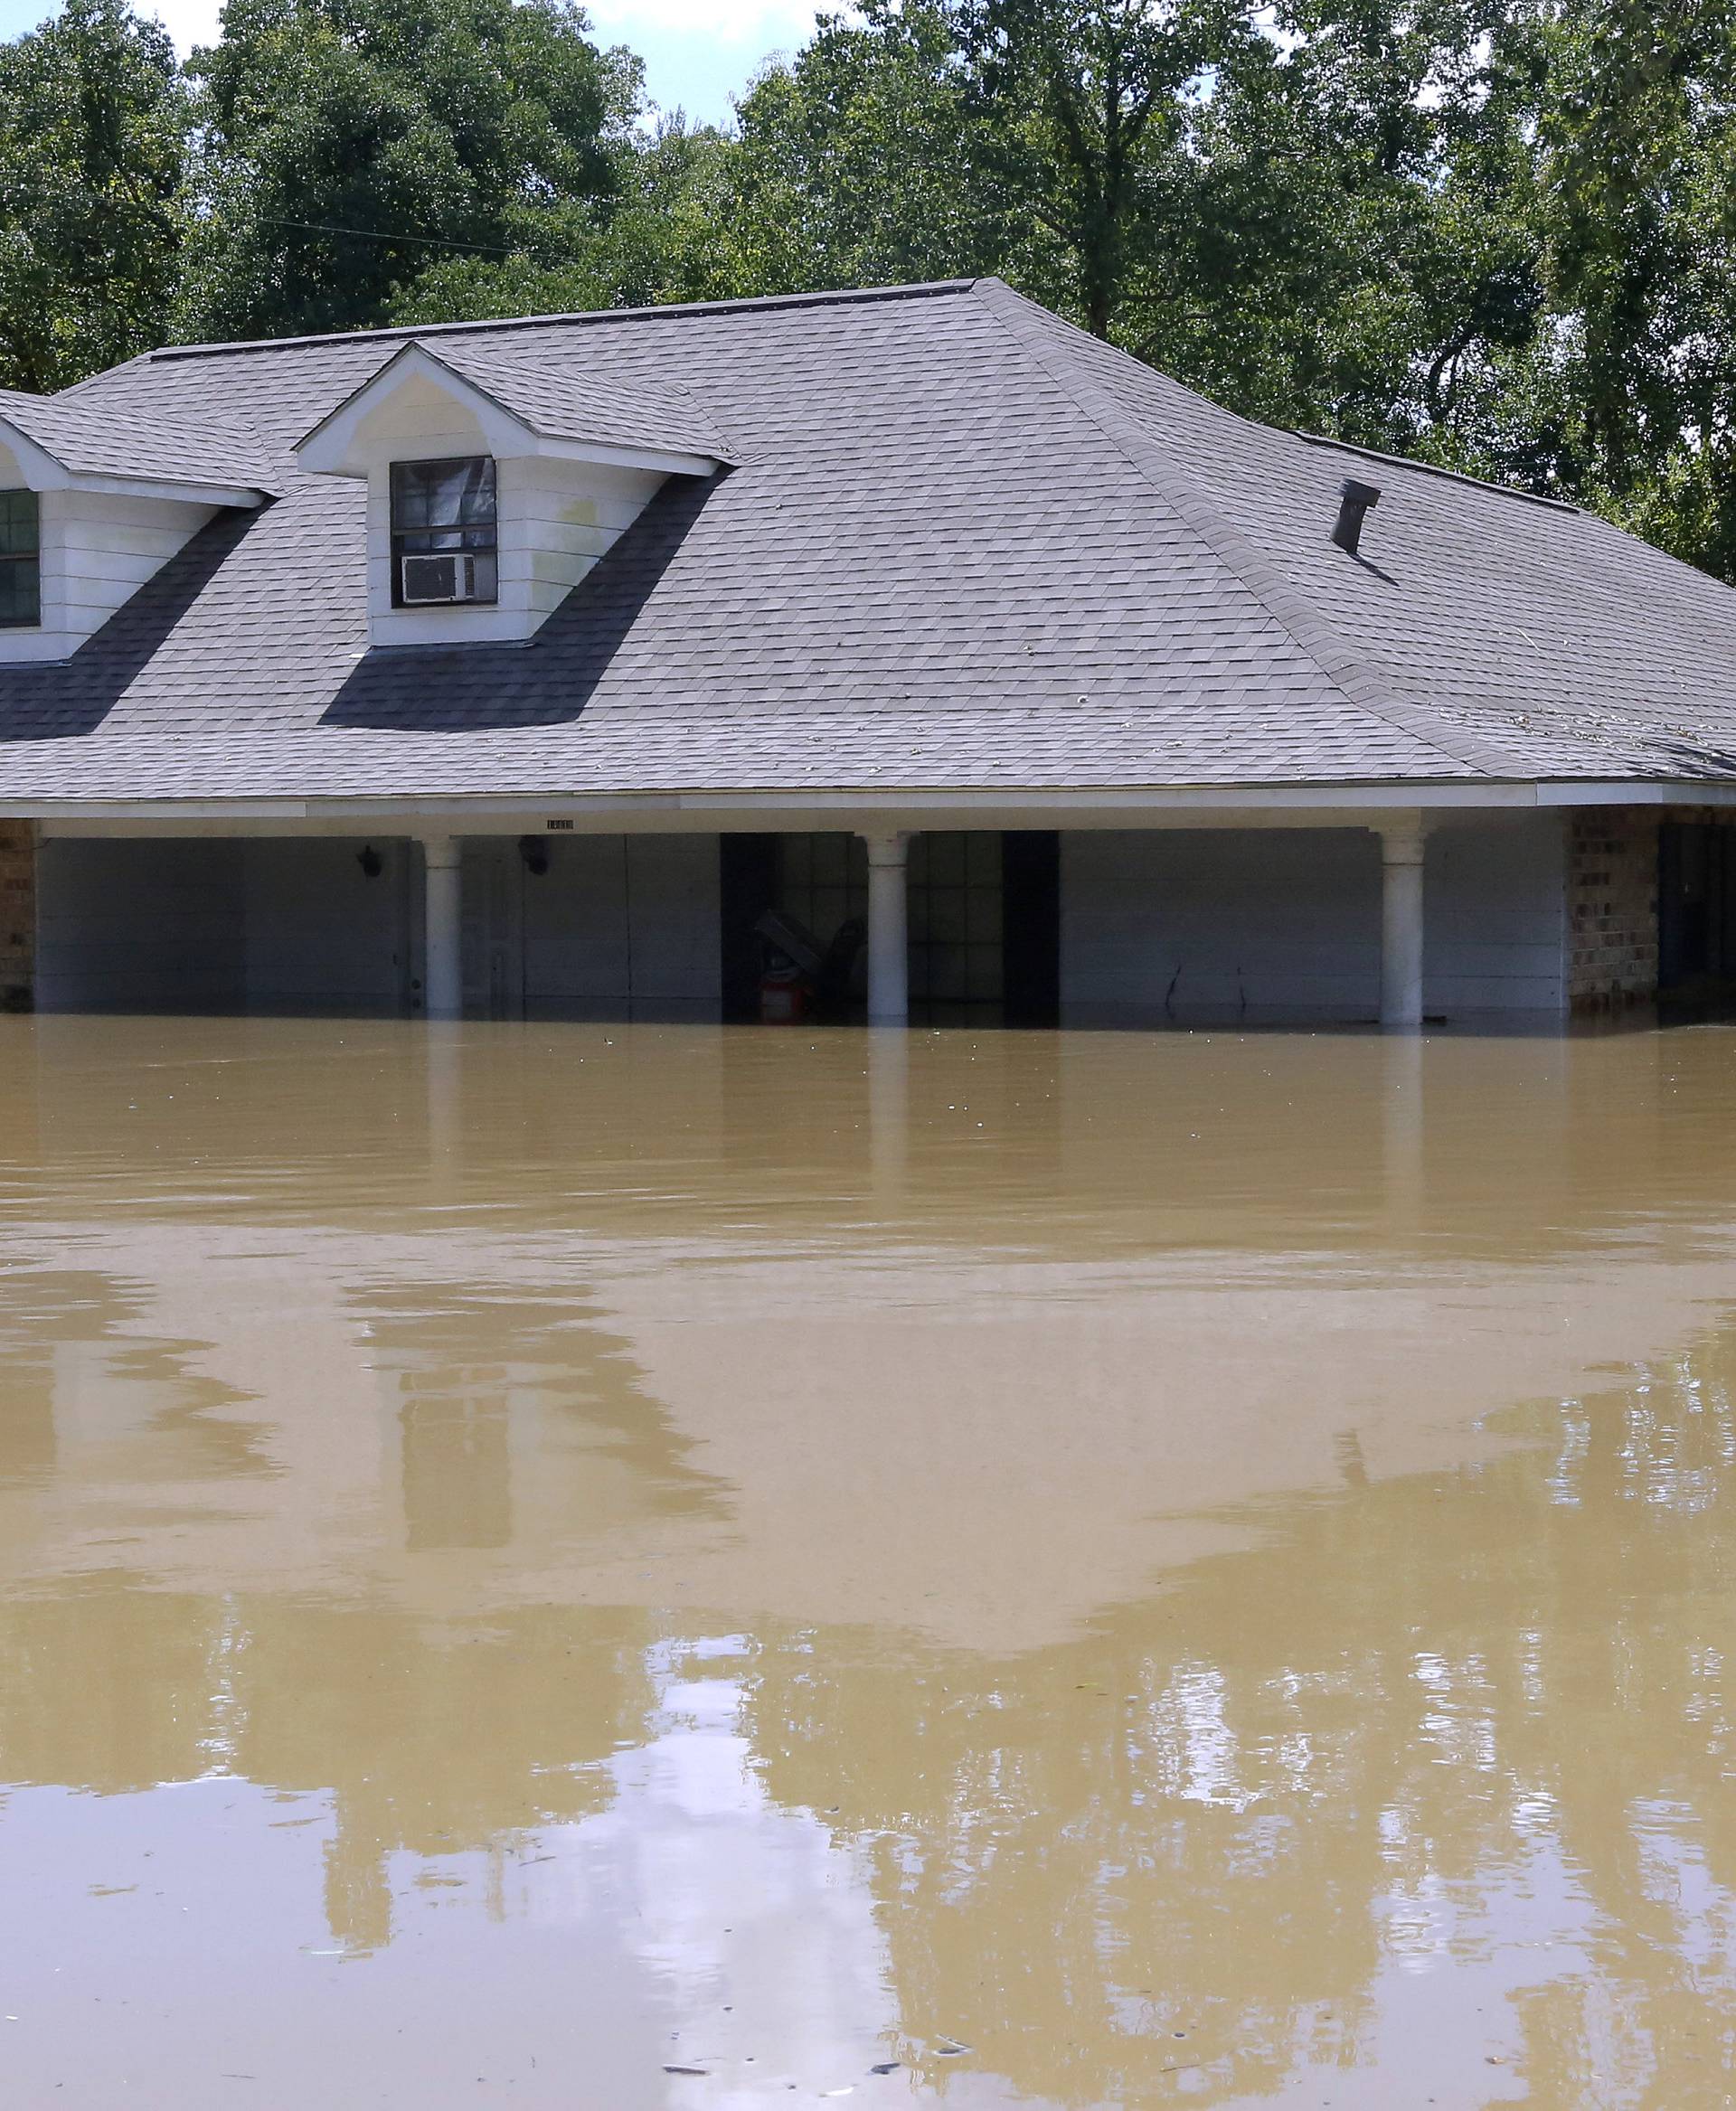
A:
90,437
965,547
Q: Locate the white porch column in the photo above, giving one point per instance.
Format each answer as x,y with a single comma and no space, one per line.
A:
889,967
443,940
1401,847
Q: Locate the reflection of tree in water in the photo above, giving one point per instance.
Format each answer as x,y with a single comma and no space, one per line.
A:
436,1734
449,1741
431,1736
1419,1701
61,1326
1415,1702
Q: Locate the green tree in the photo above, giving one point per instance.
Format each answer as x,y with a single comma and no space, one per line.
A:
1640,189
1087,111
92,135
863,161
346,144
1333,224
655,238
1357,247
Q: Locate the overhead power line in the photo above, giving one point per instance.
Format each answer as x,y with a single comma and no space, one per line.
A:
376,234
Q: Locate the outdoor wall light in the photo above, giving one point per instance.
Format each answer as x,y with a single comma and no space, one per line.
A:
371,863
536,854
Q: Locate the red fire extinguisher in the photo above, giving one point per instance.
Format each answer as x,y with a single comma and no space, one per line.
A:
783,1001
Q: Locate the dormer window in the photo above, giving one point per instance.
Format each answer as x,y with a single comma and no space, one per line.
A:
445,535
21,586
496,485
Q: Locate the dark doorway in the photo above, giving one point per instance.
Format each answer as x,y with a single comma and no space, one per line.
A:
747,889
985,920
1031,888
1696,910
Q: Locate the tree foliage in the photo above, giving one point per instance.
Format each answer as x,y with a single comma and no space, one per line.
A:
345,144
92,137
1497,233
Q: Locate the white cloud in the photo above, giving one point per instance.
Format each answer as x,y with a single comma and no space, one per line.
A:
754,25
750,26
188,22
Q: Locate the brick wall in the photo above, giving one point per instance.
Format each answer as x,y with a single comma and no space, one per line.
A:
1612,909
17,915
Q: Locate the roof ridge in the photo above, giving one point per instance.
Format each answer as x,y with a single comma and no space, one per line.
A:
1351,446
838,297
1279,597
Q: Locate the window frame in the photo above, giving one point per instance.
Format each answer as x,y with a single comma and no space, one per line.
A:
476,537
30,556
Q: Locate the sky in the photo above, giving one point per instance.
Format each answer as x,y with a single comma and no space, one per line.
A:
698,54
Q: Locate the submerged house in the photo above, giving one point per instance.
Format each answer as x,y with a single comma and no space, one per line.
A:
542,668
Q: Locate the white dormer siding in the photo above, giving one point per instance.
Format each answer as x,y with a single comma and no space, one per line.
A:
97,550
562,501
101,535
108,546
568,522
553,519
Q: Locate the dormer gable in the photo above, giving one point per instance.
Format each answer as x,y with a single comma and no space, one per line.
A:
496,482
94,502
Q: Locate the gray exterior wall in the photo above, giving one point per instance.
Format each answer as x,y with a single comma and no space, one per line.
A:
140,927
215,925
1495,917
319,934
1280,924
618,928
1277,925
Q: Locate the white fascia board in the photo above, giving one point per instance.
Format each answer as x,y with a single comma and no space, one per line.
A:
1320,805
658,461
1300,805
44,472
231,494
1679,792
326,450
1384,798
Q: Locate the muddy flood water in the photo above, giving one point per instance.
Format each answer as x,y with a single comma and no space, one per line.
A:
622,1567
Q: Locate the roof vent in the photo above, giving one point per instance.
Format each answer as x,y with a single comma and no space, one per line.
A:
1354,500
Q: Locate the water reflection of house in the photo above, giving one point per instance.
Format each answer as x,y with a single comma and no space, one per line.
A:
327,1347
404,1462
524,667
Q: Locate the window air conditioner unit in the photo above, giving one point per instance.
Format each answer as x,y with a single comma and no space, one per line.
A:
426,580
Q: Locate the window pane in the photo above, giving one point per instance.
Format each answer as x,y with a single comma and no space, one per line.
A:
982,856
983,915
946,859
984,969
18,523
444,495
949,916
20,591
